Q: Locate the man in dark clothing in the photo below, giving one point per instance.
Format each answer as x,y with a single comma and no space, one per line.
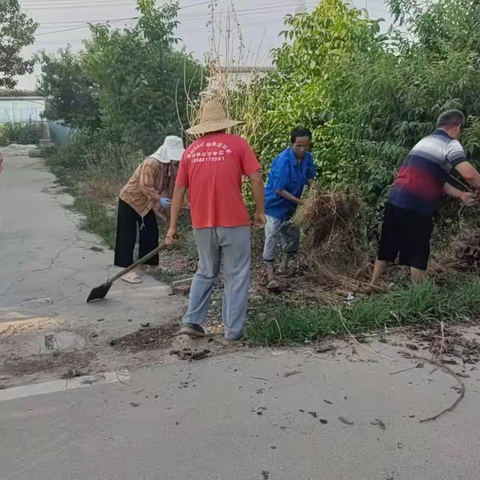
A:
420,184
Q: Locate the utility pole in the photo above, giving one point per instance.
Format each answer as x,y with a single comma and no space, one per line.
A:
212,37
301,8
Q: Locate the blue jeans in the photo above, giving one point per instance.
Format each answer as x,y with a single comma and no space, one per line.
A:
233,244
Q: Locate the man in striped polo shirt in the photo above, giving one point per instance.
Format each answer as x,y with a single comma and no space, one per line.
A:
420,184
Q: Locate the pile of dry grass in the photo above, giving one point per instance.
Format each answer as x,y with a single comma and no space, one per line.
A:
466,250
461,253
334,252
325,215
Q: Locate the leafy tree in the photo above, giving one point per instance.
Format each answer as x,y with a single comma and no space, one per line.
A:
16,32
313,76
71,95
131,83
367,96
143,82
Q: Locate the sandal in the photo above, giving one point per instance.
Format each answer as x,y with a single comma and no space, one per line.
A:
132,277
285,273
274,286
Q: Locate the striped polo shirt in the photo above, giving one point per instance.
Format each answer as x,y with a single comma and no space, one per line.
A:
420,180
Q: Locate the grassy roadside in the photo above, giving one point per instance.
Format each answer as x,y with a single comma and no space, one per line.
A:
276,322
98,217
421,305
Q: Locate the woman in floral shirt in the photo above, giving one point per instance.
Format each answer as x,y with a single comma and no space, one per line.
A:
141,200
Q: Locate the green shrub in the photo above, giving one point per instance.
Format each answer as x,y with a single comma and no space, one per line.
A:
367,96
131,83
23,133
91,153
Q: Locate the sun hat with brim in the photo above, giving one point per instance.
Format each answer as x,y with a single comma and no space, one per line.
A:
171,150
212,119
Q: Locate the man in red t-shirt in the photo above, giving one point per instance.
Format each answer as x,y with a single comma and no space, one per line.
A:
211,170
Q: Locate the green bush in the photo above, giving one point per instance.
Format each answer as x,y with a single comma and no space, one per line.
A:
130,83
23,133
367,96
92,149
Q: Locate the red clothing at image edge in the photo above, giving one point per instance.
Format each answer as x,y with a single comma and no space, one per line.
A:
212,169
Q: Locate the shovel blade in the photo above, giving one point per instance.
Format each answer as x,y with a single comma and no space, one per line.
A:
99,293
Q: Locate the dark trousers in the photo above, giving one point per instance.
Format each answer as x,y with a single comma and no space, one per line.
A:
128,220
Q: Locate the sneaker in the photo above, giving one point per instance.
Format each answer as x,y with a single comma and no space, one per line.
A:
193,330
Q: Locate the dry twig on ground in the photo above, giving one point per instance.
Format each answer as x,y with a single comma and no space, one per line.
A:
454,405
357,342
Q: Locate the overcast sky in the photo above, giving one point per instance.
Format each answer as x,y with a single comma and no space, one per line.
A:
64,22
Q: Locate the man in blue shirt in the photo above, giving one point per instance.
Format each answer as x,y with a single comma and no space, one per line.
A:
290,172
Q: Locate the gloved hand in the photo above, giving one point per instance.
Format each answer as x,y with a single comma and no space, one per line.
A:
165,202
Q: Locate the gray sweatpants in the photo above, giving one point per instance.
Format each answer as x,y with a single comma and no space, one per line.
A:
285,233
233,244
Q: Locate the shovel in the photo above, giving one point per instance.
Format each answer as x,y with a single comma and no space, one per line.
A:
98,293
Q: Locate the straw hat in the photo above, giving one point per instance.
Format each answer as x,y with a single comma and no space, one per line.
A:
171,150
212,119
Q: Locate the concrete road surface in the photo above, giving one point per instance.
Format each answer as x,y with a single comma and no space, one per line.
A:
249,416
253,415
48,266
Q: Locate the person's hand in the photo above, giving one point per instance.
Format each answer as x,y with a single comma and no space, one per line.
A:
468,198
171,236
186,206
165,202
259,219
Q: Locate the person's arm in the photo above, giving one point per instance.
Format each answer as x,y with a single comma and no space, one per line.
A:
186,204
252,169
288,196
311,171
147,179
177,202
181,187
469,173
259,193
466,197
455,155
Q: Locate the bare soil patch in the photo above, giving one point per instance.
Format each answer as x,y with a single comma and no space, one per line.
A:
49,363
147,338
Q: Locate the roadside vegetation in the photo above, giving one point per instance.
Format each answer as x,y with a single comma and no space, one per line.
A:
22,133
367,94
406,305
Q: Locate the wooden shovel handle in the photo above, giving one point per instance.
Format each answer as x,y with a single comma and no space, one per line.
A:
140,261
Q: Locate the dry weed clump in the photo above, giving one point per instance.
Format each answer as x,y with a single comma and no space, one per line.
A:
461,255
334,252
466,250
326,215
101,188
